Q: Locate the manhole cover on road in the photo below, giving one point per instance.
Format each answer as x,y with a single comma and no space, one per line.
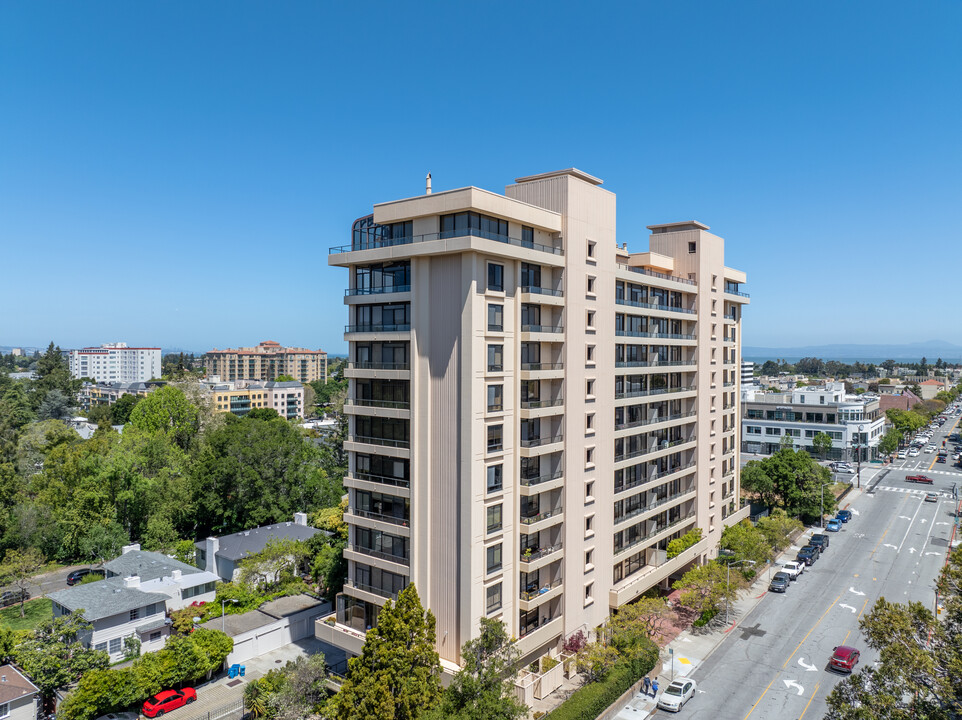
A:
232,683
750,632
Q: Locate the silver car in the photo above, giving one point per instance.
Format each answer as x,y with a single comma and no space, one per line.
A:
675,696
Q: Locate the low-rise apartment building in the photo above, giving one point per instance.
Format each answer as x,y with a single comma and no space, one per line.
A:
115,362
535,412
268,361
94,394
807,411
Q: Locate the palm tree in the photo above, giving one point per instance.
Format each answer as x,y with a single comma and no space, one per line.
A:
254,701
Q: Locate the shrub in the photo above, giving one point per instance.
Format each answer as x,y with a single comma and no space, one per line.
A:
575,643
547,663
589,701
677,546
706,617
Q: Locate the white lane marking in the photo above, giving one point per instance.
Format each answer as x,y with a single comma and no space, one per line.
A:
853,590
932,553
904,517
912,551
847,607
856,512
793,684
941,523
909,528
808,668
890,546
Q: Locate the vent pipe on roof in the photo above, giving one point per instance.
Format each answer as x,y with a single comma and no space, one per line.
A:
427,184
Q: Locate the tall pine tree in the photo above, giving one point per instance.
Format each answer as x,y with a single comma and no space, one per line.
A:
398,674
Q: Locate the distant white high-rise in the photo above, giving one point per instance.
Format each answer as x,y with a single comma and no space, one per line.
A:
748,372
115,362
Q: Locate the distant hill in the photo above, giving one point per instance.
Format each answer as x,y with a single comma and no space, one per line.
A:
913,352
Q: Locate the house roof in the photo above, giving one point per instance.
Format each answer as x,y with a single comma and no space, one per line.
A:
248,542
931,382
104,598
147,565
14,684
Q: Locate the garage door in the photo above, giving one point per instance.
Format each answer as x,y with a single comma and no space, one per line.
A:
270,640
243,651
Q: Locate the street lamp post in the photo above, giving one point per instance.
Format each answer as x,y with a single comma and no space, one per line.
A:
728,584
858,473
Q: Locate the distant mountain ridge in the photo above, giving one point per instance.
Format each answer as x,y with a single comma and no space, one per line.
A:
911,352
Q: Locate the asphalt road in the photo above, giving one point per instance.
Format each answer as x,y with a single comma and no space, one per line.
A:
47,583
774,663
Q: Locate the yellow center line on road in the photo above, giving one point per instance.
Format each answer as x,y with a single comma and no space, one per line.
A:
809,702
862,610
762,695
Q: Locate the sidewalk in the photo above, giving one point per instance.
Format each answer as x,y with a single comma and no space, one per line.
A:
682,655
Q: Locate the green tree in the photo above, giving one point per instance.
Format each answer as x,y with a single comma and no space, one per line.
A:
120,411
889,442
778,528
482,689
790,480
55,406
637,621
103,542
822,443
705,588
53,656
18,568
595,661
677,546
398,671
746,542
303,689
167,410
278,563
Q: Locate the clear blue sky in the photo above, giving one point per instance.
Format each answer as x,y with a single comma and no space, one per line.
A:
173,173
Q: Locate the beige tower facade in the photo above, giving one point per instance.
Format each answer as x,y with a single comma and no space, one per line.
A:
268,361
535,412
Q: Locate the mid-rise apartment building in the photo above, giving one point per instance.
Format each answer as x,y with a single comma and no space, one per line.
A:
240,397
116,362
535,412
266,362
804,412
94,394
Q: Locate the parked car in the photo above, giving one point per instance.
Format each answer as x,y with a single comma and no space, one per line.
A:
931,497
903,454
914,452
675,696
821,541
77,575
844,515
844,659
793,569
807,555
779,582
833,525
924,479
168,700
12,597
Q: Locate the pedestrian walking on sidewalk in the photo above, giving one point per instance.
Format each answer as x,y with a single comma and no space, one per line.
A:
647,685
654,688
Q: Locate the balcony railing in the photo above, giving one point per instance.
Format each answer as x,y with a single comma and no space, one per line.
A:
658,391
405,327
654,273
542,366
367,402
447,235
543,515
373,589
371,515
732,291
654,476
543,328
650,306
538,404
381,555
531,482
653,449
535,290
386,442
654,420
357,365
539,441
538,554
663,336
658,529
382,479
653,363
652,505
378,290
531,595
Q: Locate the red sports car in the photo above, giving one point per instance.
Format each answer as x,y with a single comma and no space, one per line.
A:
168,700
844,658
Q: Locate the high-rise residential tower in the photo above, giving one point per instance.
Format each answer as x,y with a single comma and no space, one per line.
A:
535,412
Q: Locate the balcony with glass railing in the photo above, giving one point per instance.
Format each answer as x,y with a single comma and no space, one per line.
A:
373,242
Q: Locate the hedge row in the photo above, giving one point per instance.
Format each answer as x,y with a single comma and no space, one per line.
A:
591,700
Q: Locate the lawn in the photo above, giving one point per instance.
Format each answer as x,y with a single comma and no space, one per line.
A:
36,612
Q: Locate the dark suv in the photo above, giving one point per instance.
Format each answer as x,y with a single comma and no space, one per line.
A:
807,555
77,575
820,540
